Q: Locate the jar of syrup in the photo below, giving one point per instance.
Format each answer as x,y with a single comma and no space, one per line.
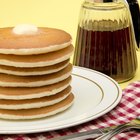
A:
105,39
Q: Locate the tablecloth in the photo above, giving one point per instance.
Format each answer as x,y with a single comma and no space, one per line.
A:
125,111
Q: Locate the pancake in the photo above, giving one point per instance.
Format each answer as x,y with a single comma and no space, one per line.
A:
35,103
33,71
39,60
43,41
34,81
37,112
20,93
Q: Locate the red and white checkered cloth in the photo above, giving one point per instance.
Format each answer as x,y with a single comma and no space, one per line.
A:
127,109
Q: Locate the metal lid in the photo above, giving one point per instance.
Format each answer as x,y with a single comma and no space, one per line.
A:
107,0
100,1
132,1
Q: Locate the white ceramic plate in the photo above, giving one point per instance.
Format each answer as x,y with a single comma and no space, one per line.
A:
95,95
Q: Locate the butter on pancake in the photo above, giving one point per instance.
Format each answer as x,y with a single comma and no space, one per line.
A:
35,103
33,71
35,113
28,39
7,80
39,60
21,93
25,29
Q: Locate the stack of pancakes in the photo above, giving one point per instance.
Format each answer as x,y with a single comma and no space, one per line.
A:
35,73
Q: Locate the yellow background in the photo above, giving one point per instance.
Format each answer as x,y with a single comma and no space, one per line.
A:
61,14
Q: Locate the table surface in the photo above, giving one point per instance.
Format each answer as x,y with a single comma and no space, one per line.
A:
61,14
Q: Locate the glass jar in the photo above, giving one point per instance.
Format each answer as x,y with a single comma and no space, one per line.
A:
105,39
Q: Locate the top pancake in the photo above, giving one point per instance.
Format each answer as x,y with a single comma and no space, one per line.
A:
45,40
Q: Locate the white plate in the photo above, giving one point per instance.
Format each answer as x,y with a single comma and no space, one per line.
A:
95,95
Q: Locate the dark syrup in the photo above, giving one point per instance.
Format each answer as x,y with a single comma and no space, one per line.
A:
110,52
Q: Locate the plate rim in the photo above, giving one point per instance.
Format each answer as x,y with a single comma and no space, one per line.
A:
89,118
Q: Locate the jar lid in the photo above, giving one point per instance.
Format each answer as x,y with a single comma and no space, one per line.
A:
100,1
132,1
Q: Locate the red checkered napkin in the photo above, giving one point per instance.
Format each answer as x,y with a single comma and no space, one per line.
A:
127,109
